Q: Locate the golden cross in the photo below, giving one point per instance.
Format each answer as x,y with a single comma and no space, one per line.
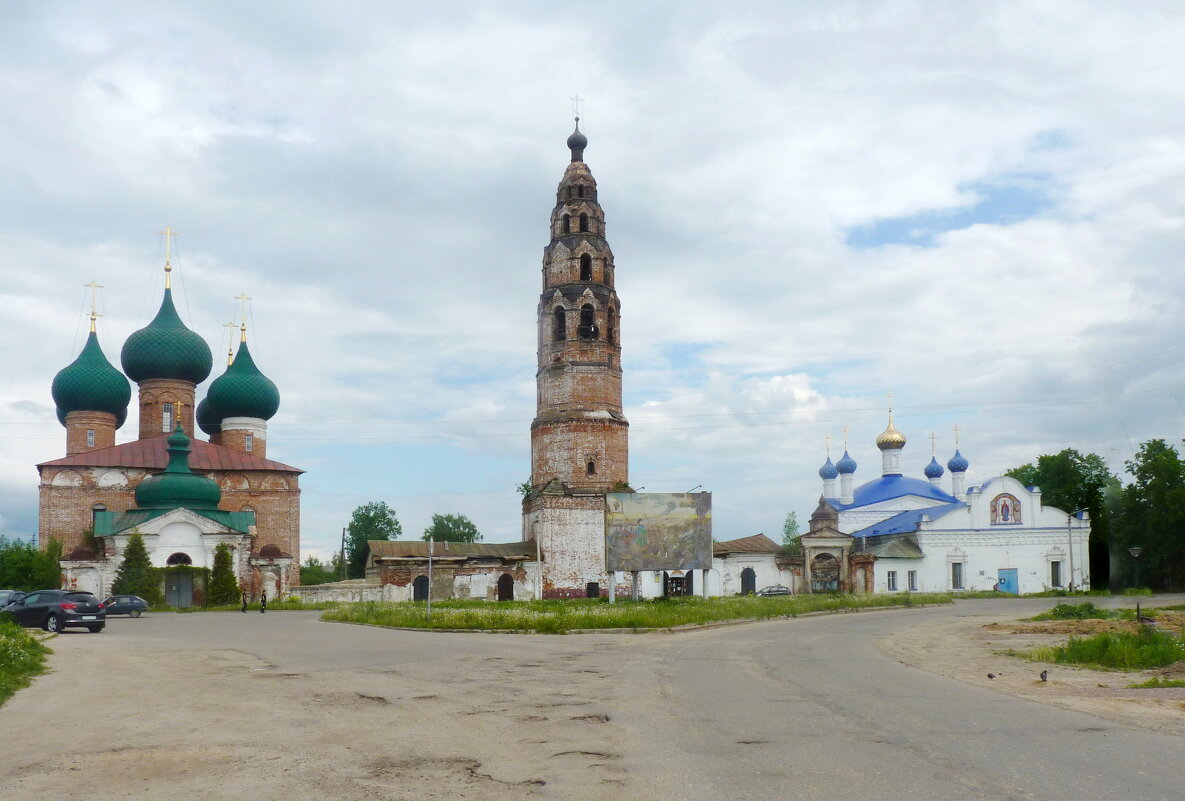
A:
891,396
845,439
577,106
956,436
94,288
230,354
933,438
169,233
827,439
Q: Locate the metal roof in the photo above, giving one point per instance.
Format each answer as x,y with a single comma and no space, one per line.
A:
418,549
758,543
152,454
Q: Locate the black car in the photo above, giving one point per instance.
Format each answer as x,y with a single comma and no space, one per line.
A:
54,610
772,590
8,596
132,605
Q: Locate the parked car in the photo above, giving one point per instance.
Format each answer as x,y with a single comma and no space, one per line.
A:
8,596
55,610
775,589
132,605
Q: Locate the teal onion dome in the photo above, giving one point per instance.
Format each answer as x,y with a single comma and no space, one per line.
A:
91,384
828,470
208,419
177,486
243,391
934,470
846,464
165,348
958,463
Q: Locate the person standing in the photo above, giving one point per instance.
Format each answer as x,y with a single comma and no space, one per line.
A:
244,603
263,602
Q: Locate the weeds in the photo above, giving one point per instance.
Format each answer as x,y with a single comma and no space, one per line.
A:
1083,611
1146,648
22,656
1157,683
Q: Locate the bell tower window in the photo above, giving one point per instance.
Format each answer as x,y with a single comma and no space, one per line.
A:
591,468
249,442
586,267
566,224
584,223
559,326
90,438
166,417
611,327
588,322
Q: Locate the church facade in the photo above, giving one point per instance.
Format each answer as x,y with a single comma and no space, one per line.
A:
223,490
898,533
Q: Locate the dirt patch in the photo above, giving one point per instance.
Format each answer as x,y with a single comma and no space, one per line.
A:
970,648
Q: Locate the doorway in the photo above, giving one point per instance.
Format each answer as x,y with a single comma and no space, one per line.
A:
748,581
179,589
505,587
1008,581
419,589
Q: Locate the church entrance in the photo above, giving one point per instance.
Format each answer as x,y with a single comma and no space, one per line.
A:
179,589
419,589
824,573
505,587
748,581
673,585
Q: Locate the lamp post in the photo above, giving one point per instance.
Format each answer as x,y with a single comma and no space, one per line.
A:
1135,551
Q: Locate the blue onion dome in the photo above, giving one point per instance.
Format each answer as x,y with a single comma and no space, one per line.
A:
208,419
934,470
958,463
91,384
846,464
177,486
577,142
828,470
165,348
243,391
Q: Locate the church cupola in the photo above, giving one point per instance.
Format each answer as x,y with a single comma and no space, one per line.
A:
958,465
177,486
890,442
577,142
91,397
242,400
166,360
846,467
933,470
829,473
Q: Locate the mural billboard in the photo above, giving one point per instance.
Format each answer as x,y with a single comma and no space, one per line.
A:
658,531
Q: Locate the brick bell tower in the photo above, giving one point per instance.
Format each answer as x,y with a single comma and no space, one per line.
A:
580,437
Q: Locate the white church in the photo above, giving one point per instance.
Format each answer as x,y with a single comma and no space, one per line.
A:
897,533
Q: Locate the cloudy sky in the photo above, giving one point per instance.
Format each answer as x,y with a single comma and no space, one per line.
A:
977,206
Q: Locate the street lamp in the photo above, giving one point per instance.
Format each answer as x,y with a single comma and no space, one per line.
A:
1135,551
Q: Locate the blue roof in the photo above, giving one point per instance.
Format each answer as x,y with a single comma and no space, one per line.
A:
888,487
846,463
906,522
828,471
933,470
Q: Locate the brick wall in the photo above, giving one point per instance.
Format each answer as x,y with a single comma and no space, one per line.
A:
78,423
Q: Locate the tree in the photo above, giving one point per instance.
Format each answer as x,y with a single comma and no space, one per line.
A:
452,528
25,567
136,575
1152,513
790,529
371,521
314,571
1071,481
224,587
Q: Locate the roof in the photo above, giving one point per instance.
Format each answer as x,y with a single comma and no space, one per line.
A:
891,547
906,522
758,543
418,549
108,523
893,486
152,454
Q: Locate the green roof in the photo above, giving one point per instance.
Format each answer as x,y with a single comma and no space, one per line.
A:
177,486
207,419
108,523
91,384
165,348
242,391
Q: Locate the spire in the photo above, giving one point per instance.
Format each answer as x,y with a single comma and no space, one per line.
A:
177,485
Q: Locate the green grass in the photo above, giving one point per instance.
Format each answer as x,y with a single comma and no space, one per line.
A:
272,606
22,656
1084,611
1137,591
559,617
1157,684
1147,648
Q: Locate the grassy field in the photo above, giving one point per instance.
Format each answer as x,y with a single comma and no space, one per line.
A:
22,656
559,617
1146,648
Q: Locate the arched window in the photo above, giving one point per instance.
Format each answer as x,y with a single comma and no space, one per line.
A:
591,468
583,223
559,325
588,322
611,327
178,559
90,438
586,267
166,422
566,224
580,191
98,507
249,442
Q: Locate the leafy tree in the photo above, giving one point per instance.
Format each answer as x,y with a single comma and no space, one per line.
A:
790,533
314,571
25,567
1152,513
224,587
136,575
1071,481
371,521
452,528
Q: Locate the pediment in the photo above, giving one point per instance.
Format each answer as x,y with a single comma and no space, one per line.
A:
157,524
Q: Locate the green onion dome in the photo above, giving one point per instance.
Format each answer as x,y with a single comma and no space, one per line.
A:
165,348
243,391
91,384
177,486
207,419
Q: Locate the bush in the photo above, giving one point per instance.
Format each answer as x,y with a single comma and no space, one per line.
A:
1086,611
25,567
22,656
224,588
1146,648
1157,683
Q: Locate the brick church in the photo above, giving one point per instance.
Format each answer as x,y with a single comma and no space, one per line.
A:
184,495
580,437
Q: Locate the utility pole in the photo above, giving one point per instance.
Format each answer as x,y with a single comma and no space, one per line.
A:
431,543
342,555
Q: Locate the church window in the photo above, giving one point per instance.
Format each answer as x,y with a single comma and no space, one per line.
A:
90,438
566,224
891,580
591,468
580,191
583,223
611,328
588,322
178,559
1055,574
166,422
912,577
249,442
98,507
592,590
586,267
559,330
956,575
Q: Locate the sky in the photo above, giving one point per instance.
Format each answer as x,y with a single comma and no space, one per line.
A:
978,207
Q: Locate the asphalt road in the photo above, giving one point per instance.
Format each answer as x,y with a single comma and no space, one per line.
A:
805,708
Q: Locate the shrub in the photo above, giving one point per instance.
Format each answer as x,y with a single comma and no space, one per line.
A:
22,656
1085,611
224,588
136,575
1157,683
1146,648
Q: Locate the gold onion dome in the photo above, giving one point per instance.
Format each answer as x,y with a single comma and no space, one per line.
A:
890,439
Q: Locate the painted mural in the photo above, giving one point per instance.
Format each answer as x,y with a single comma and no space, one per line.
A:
1005,510
658,531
